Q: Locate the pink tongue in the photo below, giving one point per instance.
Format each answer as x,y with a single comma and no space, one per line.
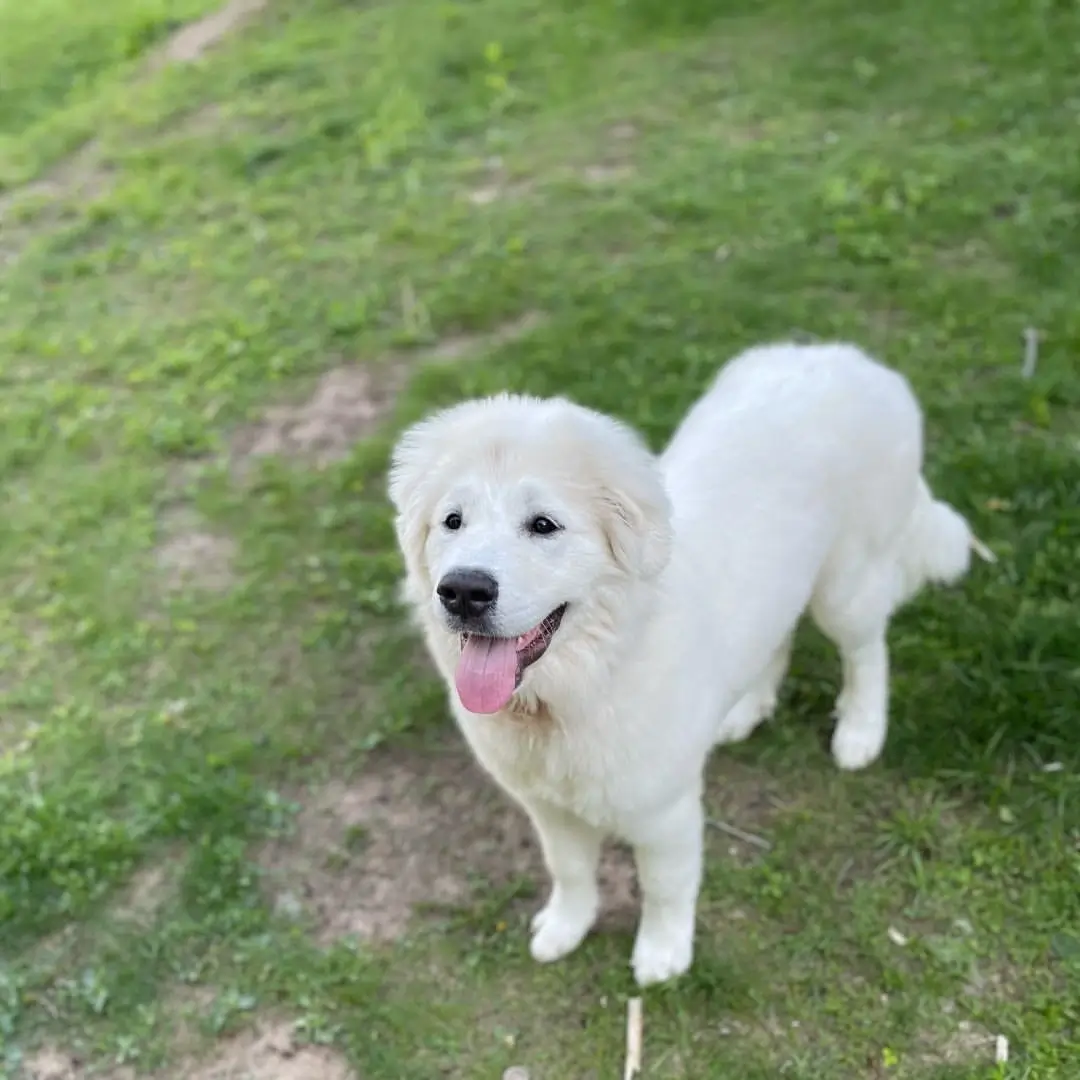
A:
487,673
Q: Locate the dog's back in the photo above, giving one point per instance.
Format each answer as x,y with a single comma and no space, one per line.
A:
825,441
796,483
798,414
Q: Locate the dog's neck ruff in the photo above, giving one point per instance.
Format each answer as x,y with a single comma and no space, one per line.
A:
530,711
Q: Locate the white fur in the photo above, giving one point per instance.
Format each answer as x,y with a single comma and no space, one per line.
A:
794,484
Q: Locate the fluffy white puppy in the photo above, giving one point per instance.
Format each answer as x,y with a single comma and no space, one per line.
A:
603,616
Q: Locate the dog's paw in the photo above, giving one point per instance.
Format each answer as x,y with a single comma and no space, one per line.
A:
559,928
856,744
660,957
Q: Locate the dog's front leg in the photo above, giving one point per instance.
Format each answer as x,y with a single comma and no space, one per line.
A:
668,852
571,851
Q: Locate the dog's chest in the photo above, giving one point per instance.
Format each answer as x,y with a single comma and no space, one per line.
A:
545,764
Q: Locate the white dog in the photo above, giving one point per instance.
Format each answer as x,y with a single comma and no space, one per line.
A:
604,616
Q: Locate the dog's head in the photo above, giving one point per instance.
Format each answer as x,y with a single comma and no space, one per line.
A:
516,518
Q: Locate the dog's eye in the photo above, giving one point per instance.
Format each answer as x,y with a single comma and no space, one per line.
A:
452,521
542,525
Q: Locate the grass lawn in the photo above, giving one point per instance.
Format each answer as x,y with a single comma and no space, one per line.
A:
238,835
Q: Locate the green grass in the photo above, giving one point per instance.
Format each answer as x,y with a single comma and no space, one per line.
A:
64,69
299,200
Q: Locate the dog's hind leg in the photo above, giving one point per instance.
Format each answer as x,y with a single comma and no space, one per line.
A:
855,599
862,709
853,611
759,702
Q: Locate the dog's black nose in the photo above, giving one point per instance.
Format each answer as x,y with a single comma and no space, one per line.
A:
468,594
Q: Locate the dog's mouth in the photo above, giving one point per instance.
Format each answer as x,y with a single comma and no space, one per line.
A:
490,669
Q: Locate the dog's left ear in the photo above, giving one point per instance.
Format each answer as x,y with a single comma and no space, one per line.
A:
636,516
410,462
406,465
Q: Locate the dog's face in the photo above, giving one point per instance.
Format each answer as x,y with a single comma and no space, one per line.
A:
515,517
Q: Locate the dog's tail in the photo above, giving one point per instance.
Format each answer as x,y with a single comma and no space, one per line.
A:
939,543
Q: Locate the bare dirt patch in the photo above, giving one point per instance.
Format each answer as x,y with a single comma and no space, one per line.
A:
428,830
461,346
191,556
742,804
81,174
38,207
26,645
618,887
269,1052
189,1007
211,124
494,183
349,402
346,404
192,41
147,892
615,164
50,1063
968,1044
977,258
602,175
413,831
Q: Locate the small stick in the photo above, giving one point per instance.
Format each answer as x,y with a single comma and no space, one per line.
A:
1031,352
1001,1050
634,1023
982,550
741,834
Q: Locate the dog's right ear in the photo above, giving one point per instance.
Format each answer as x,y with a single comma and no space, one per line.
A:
632,503
636,519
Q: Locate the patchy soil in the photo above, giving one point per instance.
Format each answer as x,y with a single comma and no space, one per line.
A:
52,1063
190,1009
969,1044
422,830
38,207
49,1063
604,175
147,892
192,41
461,346
25,646
211,124
85,176
494,183
977,258
346,404
270,1052
190,556
82,176
415,830
742,803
